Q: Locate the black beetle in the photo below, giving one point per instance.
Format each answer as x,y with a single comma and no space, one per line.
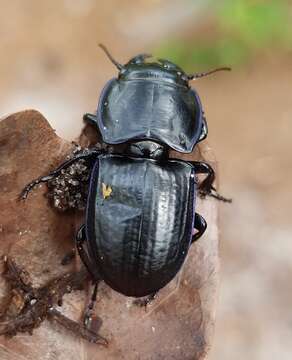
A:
140,217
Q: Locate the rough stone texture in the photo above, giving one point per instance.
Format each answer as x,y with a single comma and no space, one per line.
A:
178,325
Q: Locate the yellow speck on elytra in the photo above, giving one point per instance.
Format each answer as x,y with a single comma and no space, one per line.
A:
106,190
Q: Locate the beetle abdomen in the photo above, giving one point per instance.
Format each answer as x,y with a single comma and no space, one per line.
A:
139,221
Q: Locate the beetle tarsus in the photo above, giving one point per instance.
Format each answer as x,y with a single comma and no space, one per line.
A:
145,301
213,193
29,187
206,187
89,312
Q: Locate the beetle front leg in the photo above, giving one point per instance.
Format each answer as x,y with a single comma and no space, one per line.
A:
85,154
146,300
206,188
28,188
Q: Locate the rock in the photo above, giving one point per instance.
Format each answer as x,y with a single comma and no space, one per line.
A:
177,325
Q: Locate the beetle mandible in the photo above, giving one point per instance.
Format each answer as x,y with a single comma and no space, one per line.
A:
140,216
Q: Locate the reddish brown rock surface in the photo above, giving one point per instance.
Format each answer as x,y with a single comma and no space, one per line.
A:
178,325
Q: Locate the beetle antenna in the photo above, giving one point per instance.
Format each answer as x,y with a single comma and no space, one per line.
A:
118,65
199,75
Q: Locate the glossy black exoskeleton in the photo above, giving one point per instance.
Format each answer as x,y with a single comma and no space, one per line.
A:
140,217
151,101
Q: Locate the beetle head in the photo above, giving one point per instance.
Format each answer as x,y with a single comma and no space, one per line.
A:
137,68
164,70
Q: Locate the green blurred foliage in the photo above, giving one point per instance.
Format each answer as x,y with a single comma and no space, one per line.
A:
242,28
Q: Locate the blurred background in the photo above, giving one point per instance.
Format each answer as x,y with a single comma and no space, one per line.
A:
50,62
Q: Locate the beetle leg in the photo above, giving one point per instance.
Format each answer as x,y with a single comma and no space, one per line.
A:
90,118
206,188
200,225
88,314
80,240
146,300
86,154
